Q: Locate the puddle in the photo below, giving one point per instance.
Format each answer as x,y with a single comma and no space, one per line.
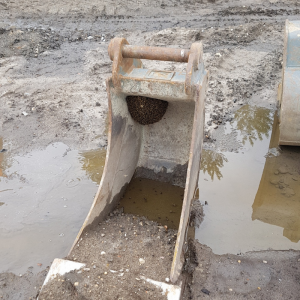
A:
253,196
45,197
158,201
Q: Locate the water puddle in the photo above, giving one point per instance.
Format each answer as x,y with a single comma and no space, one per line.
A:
45,197
158,201
253,196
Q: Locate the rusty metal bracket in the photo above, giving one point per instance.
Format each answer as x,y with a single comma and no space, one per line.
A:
125,57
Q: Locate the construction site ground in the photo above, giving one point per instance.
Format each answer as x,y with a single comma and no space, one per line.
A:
53,67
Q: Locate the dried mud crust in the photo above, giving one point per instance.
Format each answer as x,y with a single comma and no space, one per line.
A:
118,252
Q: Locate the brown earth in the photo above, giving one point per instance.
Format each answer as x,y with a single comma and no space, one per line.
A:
117,253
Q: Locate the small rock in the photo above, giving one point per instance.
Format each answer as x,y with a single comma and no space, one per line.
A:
239,261
142,261
259,288
230,290
90,37
265,262
3,150
98,104
76,283
86,269
282,170
167,279
105,273
103,253
24,113
102,234
207,292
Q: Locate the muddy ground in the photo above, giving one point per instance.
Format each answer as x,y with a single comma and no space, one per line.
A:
53,66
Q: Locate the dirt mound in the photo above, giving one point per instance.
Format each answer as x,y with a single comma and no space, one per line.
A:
27,42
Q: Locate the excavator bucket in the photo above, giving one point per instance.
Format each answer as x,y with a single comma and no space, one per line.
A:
156,122
289,90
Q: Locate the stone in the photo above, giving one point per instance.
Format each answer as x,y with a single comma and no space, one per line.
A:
141,261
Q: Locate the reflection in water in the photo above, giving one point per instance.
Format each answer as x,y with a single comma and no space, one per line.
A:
212,162
253,123
156,200
93,163
277,201
234,222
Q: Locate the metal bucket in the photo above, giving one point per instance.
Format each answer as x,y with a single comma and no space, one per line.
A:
168,149
289,90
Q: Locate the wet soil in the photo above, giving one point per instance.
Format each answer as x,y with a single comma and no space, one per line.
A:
117,254
253,275
54,64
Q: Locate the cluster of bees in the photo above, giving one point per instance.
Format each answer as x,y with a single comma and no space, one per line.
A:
146,110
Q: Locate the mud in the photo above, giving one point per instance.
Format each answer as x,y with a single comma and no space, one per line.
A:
52,89
253,275
117,253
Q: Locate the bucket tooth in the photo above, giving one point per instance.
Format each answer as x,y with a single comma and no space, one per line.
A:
289,90
168,149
